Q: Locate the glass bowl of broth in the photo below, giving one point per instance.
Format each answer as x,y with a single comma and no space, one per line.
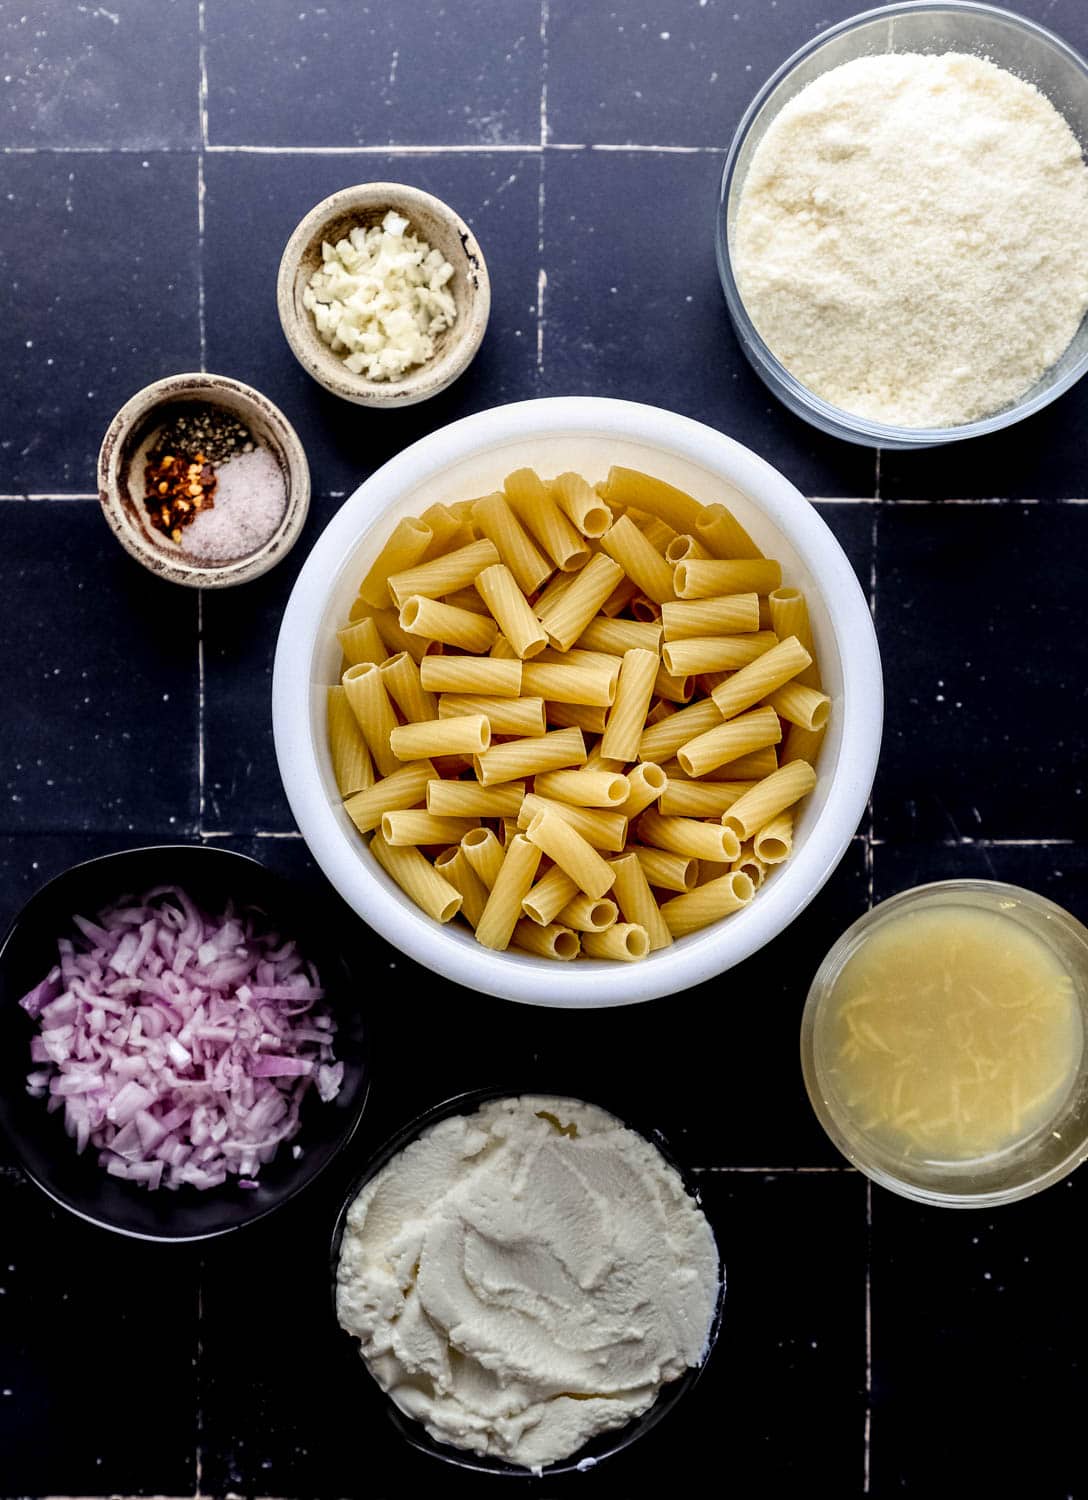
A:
943,1043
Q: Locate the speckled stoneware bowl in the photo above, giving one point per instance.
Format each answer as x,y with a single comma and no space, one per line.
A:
120,480
433,221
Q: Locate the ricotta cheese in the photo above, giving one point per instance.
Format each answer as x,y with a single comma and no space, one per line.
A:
526,1277
381,298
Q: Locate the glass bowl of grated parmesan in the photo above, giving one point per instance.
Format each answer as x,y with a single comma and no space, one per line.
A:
902,227
383,294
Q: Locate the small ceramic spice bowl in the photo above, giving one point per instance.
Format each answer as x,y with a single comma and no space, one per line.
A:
203,480
430,220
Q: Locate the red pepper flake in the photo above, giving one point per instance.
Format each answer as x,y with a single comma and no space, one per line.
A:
177,488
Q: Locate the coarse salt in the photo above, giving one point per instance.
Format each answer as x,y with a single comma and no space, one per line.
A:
249,504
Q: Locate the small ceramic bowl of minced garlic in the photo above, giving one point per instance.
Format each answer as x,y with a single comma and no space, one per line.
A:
203,480
383,294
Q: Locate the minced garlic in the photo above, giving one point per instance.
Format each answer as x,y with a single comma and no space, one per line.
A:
381,299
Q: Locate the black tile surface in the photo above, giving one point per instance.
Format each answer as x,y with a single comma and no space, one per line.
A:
123,74
869,1347
103,685
282,73
978,667
678,75
111,305
616,326
495,192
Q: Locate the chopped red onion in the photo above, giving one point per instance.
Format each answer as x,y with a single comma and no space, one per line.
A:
180,1045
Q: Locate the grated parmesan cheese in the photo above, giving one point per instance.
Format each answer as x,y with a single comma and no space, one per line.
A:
912,237
381,299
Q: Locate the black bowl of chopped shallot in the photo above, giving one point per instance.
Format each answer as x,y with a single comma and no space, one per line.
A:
181,1049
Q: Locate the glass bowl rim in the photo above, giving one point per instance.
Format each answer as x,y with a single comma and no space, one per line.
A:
928,893
411,1429
823,413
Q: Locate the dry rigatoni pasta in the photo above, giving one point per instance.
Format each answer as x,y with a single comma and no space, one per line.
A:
709,578
351,763
406,787
551,895
501,527
568,614
555,837
470,735
483,675
647,782
624,941
604,830
732,614
716,653
468,799
708,903
636,901
690,836
484,853
723,535
584,788
531,502
769,797
561,710
619,636
581,504
452,865
400,675
770,671
639,559
447,623
373,712
418,879
772,843
407,543
499,590
445,574
512,884
627,718
415,826
729,740
520,716
519,758
362,642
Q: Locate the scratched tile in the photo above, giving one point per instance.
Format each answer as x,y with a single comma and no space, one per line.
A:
497,195
616,326
90,1322
98,267
984,664
343,74
123,74
1057,871
102,683
978,1376
672,75
242,787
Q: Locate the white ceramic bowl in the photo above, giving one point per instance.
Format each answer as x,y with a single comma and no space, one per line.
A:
587,434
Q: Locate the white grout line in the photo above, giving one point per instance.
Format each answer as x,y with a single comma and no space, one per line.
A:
541,287
202,85
200,709
530,149
249,833
868,1332
198,1457
779,1171
870,823
201,319
964,841
544,17
54,495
